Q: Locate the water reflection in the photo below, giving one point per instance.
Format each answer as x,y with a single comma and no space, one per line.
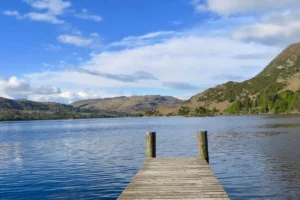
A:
253,156
281,126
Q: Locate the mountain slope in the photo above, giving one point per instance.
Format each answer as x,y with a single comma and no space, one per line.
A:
30,110
134,104
9,104
259,94
34,106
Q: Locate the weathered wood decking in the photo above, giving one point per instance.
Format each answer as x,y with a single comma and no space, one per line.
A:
175,178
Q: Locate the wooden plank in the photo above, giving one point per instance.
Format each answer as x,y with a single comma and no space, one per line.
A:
175,178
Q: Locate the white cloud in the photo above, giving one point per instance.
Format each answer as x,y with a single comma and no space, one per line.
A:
181,59
199,6
186,62
94,35
50,10
53,7
52,47
227,7
16,88
71,96
277,28
85,15
47,66
157,34
143,40
75,40
12,13
66,97
263,21
45,17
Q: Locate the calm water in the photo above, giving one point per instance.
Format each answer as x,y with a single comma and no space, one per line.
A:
253,156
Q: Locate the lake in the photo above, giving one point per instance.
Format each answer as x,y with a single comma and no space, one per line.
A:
254,157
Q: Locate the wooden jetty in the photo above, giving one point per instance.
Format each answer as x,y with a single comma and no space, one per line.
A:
175,178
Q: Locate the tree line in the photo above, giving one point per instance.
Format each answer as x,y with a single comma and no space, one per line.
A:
267,102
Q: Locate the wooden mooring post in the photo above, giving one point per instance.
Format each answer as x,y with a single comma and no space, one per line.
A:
150,145
203,145
175,178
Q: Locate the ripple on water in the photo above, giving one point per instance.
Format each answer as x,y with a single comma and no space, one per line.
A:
97,158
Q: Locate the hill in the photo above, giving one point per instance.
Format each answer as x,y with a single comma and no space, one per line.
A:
30,110
274,90
34,106
134,104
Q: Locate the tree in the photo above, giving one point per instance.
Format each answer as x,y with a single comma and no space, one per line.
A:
202,110
214,110
234,108
247,104
184,110
295,103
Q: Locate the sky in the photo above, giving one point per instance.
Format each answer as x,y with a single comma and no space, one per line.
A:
69,50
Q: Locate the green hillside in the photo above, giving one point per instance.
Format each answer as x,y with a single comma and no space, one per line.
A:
30,110
274,90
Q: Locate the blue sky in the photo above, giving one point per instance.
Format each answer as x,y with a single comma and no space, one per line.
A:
67,50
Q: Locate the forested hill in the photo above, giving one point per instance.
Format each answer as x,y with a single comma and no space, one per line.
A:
30,110
274,90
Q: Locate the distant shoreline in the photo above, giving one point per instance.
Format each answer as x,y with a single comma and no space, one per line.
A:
264,114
